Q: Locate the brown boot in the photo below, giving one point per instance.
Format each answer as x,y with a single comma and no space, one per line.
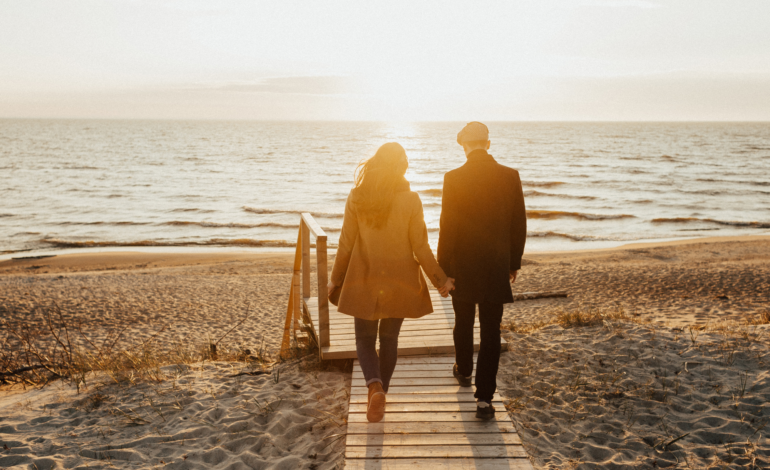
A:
375,409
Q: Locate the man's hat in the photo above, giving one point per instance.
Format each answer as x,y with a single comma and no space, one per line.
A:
473,131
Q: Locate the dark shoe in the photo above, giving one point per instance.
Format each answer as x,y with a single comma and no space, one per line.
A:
485,412
464,381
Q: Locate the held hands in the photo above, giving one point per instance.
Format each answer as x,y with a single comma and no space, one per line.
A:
449,286
514,274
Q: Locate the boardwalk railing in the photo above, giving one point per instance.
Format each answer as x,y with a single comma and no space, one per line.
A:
298,322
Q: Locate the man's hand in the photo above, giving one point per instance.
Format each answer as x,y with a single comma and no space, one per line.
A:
330,288
446,288
514,274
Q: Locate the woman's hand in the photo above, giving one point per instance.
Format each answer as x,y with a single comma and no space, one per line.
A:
330,288
447,287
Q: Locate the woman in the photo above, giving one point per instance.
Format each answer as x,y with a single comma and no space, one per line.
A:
382,233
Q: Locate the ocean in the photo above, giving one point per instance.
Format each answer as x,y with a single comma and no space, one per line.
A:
115,183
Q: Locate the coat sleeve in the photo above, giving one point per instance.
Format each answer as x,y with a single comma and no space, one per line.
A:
518,224
446,236
347,241
418,237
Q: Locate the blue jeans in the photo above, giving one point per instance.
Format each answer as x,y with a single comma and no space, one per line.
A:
377,368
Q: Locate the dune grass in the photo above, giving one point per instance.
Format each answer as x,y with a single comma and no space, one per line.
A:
34,353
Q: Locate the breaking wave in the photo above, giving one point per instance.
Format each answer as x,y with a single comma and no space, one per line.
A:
239,225
534,214
432,192
213,242
103,223
542,184
712,221
328,215
579,238
532,192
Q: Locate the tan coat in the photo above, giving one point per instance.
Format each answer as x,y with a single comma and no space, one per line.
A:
382,278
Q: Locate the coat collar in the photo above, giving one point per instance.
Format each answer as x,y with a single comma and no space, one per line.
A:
480,155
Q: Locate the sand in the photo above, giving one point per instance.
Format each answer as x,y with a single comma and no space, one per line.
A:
559,382
200,417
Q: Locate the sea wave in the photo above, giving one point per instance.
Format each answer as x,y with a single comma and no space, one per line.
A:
239,225
539,214
191,209
7,215
60,243
713,221
99,222
532,192
542,184
580,238
718,180
328,215
435,192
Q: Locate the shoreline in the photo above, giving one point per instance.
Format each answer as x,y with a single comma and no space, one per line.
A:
212,254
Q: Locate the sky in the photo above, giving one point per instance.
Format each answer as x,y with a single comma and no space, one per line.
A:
627,60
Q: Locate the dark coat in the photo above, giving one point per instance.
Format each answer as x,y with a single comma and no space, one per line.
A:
483,229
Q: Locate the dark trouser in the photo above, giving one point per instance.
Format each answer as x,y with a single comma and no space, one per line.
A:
490,316
377,368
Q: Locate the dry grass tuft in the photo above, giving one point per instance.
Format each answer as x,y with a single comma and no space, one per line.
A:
576,318
762,319
31,355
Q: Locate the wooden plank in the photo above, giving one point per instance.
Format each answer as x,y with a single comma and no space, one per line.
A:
323,299
414,374
297,301
437,416
395,397
415,371
426,407
412,381
438,464
409,368
347,352
427,360
432,427
406,330
437,339
346,323
293,296
348,329
432,439
313,225
450,389
433,452
305,258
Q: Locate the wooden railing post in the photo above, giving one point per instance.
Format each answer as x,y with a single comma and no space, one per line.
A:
323,298
305,258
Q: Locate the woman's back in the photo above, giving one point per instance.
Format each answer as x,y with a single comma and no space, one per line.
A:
381,276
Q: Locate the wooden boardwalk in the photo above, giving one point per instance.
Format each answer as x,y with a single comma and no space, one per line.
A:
429,335
429,423
429,420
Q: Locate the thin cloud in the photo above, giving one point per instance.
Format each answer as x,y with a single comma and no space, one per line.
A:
621,4
292,85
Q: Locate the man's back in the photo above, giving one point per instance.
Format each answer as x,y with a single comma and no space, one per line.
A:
483,228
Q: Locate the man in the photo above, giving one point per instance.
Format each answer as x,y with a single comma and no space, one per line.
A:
481,241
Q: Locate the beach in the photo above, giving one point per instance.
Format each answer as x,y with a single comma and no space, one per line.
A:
557,381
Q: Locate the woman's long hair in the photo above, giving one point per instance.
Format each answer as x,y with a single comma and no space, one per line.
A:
377,180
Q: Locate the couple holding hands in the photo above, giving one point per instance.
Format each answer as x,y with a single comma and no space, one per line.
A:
376,276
